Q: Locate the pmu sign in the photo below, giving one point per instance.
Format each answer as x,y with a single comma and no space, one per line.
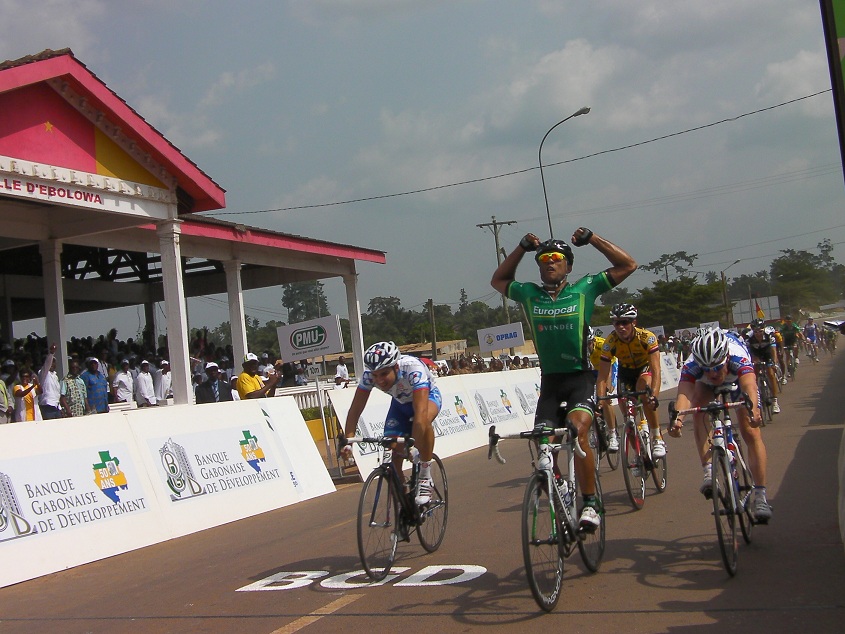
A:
311,338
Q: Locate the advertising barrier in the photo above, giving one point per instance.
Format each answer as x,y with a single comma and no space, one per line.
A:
77,490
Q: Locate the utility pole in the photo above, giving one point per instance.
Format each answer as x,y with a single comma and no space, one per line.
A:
433,330
495,228
500,255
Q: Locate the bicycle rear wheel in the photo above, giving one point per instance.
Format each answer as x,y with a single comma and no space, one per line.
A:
378,519
542,542
724,510
434,514
591,545
633,467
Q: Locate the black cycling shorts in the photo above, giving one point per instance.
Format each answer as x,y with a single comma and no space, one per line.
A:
576,388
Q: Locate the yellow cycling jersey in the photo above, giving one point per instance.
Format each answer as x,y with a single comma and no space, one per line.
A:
778,339
633,354
595,355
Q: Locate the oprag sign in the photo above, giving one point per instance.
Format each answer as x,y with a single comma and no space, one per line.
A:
311,338
501,337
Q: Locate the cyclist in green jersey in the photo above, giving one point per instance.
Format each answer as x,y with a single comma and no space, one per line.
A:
559,313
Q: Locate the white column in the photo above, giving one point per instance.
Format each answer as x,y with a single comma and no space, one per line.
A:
174,302
235,292
354,308
54,300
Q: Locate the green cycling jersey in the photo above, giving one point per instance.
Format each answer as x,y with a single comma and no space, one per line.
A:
560,325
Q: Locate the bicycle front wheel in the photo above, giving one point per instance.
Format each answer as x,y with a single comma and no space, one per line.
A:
542,542
633,467
378,520
660,473
591,544
766,398
724,510
434,514
746,487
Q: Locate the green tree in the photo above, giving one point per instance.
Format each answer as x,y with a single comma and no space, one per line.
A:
671,260
304,301
802,279
618,295
745,286
680,303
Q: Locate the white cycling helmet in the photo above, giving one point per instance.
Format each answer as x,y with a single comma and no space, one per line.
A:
623,311
384,354
710,347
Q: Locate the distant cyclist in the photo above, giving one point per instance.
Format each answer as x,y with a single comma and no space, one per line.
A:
559,312
811,336
415,403
791,334
720,358
639,365
763,349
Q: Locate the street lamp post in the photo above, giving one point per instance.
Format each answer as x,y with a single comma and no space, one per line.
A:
584,110
728,312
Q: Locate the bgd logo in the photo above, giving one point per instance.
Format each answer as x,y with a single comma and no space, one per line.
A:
308,337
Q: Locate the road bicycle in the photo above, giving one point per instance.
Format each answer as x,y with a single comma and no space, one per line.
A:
600,436
551,513
733,483
764,389
791,364
387,512
638,461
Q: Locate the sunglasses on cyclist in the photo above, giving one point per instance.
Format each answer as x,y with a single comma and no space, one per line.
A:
622,322
553,256
714,369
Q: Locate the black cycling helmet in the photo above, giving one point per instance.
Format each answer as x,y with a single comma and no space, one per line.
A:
623,311
758,324
558,246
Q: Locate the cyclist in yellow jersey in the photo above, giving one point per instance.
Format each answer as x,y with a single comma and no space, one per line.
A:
595,346
639,365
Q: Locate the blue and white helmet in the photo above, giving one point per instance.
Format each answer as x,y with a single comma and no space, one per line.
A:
710,348
384,354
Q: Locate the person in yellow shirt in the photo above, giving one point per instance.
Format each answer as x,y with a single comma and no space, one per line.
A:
26,397
250,384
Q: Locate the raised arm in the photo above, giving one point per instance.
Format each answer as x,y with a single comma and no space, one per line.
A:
506,272
622,264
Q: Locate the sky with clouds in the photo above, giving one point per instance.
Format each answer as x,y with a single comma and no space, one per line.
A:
704,135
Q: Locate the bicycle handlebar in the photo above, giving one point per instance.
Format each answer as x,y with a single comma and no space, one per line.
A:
632,395
384,441
711,408
533,434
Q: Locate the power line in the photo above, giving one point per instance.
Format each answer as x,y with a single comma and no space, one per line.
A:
523,171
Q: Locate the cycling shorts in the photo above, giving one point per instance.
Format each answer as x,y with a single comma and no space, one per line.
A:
400,416
628,377
575,388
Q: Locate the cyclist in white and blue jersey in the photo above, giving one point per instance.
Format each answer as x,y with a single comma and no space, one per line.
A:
721,358
415,403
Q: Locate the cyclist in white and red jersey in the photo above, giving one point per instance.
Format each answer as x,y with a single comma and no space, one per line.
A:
720,358
415,403
559,312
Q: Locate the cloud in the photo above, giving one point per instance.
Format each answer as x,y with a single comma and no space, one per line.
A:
232,85
794,78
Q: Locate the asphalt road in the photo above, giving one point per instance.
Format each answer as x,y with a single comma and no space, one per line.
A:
291,570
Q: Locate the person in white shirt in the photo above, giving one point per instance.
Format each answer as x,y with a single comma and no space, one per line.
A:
50,399
162,382
123,385
342,371
144,391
